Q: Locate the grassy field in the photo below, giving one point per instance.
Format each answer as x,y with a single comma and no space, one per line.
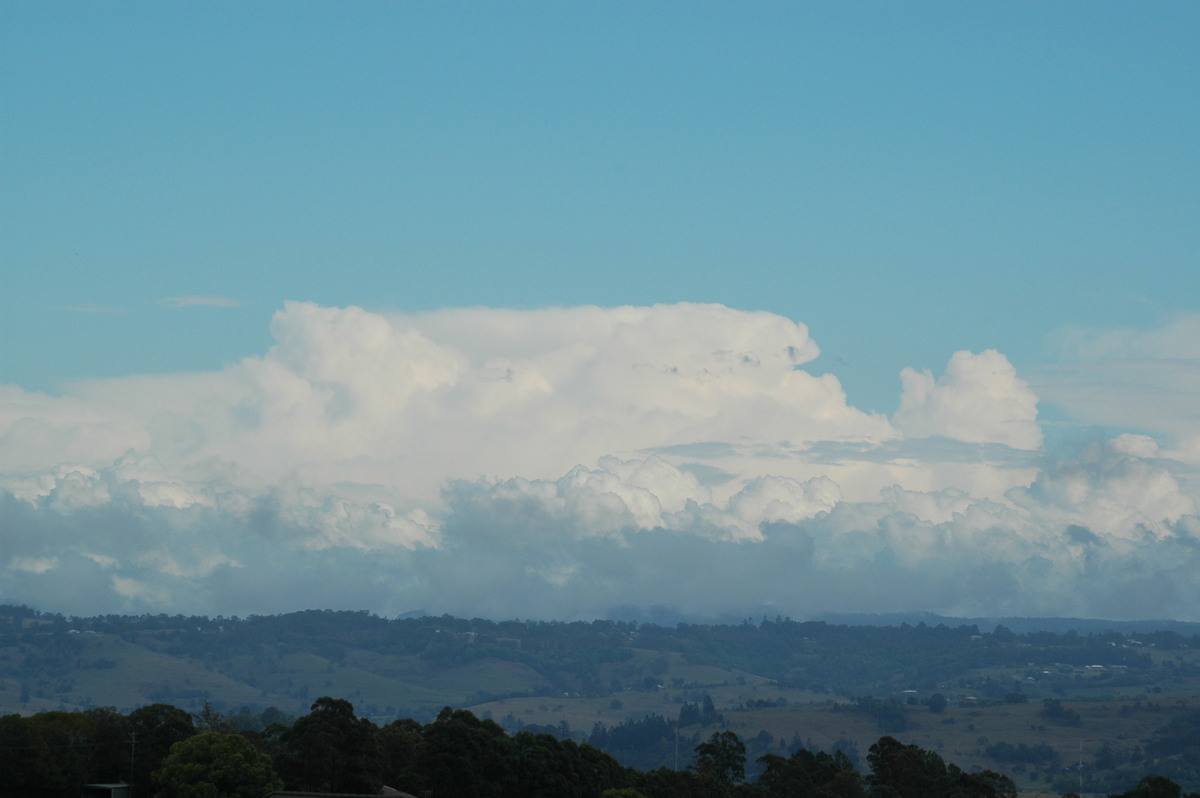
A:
960,734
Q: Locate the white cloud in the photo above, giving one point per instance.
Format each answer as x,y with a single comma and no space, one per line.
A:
979,400
1113,489
568,462
1178,339
39,432
33,565
1141,379
347,395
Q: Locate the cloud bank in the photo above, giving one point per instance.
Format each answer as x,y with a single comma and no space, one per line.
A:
579,462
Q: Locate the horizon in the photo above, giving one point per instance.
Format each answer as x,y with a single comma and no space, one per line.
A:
544,309
654,617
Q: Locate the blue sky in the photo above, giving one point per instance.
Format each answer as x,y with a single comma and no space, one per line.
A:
906,180
909,181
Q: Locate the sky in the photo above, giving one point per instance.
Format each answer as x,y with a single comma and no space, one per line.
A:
581,310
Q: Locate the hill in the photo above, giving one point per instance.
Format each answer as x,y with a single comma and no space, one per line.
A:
1035,704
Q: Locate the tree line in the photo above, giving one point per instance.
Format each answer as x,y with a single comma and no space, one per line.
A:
162,750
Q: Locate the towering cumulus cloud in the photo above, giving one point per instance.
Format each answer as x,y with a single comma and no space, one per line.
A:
980,400
573,462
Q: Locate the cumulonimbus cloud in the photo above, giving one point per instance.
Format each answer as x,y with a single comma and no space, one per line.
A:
568,462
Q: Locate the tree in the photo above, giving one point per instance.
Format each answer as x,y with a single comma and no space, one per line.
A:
154,729
546,767
400,743
110,757
668,783
209,719
912,772
809,773
331,750
25,759
906,770
984,784
1153,787
466,757
216,765
1052,709
70,738
723,757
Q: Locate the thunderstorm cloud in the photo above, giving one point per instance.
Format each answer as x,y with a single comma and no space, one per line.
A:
577,462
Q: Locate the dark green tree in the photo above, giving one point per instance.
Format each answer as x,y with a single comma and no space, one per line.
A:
209,719
811,774
466,757
668,783
152,731
906,770
722,756
25,759
70,738
984,784
216,765
1052,709
400,746
544,768
1153,787
111,750
332,750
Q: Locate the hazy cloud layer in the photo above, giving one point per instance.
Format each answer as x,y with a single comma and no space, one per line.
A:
1145,379
571,462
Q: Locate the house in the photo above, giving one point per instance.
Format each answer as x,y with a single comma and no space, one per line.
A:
104,791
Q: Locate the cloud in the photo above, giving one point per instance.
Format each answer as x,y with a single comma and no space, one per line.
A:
1146,380
199,300
571,462
595,540
347,395
39,432
980,400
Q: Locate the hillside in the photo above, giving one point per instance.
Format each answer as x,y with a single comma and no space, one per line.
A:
1033,704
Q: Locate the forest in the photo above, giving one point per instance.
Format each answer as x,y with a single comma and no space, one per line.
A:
163,750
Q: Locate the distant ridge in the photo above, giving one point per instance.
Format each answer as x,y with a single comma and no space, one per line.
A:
669,615
665,615
1018,625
